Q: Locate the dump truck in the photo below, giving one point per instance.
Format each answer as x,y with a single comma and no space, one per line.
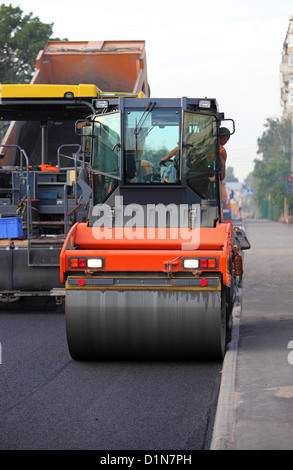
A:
43,175
153,271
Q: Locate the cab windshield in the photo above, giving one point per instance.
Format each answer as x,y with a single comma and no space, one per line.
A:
200,153
149,136
151,153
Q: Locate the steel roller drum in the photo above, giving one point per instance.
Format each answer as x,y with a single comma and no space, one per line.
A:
145,324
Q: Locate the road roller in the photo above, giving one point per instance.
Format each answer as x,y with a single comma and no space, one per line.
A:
151,274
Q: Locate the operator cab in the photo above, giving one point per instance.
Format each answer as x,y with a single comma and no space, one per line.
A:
153,151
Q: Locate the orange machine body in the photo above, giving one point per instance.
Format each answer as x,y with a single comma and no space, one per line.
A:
145,254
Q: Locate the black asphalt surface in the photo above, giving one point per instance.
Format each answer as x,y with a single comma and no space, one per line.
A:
48,401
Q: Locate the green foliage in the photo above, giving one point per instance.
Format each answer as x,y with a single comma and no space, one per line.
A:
155,156
275,140
230,177
269,174
21,38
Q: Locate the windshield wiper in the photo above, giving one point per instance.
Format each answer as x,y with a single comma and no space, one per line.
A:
143,118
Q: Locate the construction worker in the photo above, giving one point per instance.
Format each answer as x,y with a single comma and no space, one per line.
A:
170,155
224,137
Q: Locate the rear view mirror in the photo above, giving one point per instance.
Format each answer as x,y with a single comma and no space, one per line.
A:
231,132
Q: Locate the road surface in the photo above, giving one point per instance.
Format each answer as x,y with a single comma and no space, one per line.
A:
48,401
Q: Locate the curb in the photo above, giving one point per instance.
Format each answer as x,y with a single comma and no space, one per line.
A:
224,422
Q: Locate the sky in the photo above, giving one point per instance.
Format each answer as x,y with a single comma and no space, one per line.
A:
229,50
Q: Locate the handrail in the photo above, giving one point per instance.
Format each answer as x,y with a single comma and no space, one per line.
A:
22,153
75,158
71,158
75,167
67,156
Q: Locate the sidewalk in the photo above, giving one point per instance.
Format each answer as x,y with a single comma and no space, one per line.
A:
255,410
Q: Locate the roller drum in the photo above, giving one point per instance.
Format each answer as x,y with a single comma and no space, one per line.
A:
145,324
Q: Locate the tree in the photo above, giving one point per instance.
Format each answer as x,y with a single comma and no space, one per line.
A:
230,177
21,38
270,172
276,139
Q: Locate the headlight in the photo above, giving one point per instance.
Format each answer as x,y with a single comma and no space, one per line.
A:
204,104
95,263
69,95
190,263
101,104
